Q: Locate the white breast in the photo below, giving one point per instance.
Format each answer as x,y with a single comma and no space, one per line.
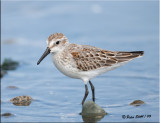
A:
66,66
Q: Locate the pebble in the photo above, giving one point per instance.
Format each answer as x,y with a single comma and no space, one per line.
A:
6,114
12,87
137,103
91,112
9,64
21,100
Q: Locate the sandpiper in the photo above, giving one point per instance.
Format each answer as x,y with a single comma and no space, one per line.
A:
82,61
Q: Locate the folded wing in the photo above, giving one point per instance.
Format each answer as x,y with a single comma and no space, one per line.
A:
90,58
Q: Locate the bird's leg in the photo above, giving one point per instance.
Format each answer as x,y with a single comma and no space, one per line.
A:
92,88
86,94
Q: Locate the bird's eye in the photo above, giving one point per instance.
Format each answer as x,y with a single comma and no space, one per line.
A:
57,42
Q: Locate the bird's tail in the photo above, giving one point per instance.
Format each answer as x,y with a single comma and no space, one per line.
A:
138,53
127,56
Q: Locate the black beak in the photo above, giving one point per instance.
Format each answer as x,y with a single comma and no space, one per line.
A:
44,55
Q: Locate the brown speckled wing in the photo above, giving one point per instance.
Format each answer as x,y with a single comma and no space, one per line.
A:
90,58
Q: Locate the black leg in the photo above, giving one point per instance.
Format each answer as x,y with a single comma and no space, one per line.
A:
86,94
92,88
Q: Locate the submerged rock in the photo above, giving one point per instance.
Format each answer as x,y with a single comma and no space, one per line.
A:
21,100
9,64
12,87
6,114
91,112
137,103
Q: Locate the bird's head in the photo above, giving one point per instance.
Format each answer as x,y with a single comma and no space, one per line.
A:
55,43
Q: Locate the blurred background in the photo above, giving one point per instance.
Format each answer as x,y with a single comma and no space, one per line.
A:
111,25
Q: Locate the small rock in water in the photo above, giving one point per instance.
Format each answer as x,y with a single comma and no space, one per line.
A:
137,103
21,100
91,112
12,87
9,64
6,114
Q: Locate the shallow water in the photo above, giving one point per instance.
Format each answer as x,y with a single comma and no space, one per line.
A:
117,26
